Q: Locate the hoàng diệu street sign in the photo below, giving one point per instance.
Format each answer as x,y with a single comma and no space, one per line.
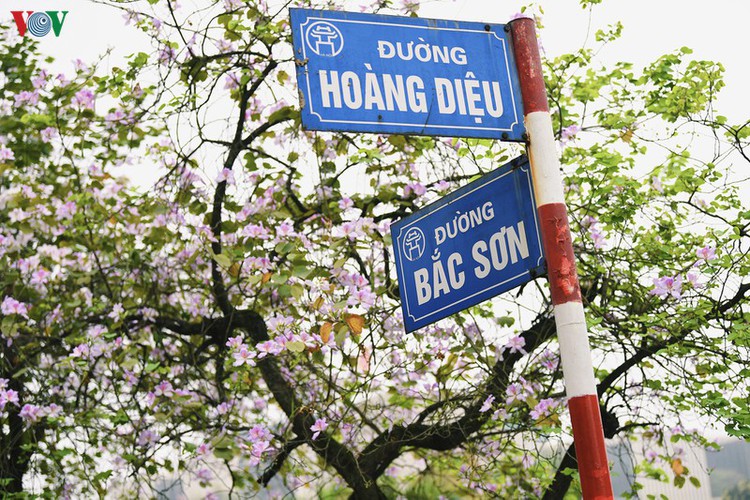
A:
405,75
479,241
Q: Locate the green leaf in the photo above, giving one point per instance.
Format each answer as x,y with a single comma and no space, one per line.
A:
296,346
224,453
223,260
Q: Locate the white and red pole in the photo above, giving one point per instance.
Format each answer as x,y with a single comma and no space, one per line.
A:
575,353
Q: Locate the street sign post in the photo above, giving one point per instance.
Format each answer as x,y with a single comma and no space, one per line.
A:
477,242
567,300
404,75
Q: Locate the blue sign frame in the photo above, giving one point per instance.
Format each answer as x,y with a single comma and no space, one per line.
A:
479,241
406,75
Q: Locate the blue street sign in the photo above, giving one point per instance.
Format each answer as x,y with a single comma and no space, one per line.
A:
477,242
405,75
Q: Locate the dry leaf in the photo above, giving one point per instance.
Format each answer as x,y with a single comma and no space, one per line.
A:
318,303
627,135
356,323
325,332
677,467
234,269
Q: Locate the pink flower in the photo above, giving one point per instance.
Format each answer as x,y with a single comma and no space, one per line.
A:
258,433
666,285
226,175
487,404
53,410
116,312
204,475
569,133
231,81
319,426
81,351
30,413
234,342
286,228
244,356
164,389
39,277
694,279
543,408
79,65
84,98
514,392
12,306
442,186
40,80
147,437
8,396
516,344
166,55
409,6
66,210
346,203
598,237
414,187
268,347
255,231
260,447
706,253
26,97
6,153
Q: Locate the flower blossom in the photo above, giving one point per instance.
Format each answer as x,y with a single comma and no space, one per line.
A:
244,356
319,426
226,175
667,285
7,396
6,153
694,279
706,253
66,210
542,409
84,98
516,344
487,404
569,133
235,342
26,97
13,306
346,203
164,388
204,475
30,413
414,187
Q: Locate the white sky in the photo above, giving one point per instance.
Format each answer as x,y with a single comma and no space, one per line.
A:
652,27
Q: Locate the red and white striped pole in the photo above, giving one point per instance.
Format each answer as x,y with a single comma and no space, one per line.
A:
575,353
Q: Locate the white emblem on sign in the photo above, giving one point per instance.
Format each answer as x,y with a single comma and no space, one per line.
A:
324,39
413,244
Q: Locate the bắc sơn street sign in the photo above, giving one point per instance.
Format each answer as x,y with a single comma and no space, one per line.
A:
405,75
479,241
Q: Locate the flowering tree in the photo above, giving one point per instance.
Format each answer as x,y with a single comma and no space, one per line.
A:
236,326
